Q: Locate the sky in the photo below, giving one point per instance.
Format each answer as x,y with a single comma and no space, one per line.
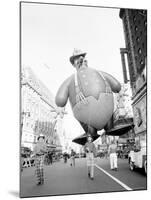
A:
49,33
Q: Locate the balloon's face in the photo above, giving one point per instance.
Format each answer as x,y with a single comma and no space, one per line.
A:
99,108
78,62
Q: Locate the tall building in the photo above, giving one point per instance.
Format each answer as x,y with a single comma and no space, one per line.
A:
123,102
135,32
120,127
38,111
122,118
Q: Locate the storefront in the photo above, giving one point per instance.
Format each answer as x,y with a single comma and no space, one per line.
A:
139,108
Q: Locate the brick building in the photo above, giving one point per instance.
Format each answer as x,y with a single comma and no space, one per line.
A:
135,51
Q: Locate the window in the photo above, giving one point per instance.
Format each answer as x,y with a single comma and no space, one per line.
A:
143,77
138,39
139,51
134,18
141,62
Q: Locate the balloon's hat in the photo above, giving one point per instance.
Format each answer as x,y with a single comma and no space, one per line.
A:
76,53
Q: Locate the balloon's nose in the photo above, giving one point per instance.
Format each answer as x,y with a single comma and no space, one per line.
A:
81,59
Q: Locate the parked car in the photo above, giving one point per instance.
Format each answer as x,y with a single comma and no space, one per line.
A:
137,158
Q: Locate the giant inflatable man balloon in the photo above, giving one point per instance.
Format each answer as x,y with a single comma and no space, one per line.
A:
90,94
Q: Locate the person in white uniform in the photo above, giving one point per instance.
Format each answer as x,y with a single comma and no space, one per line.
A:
113,155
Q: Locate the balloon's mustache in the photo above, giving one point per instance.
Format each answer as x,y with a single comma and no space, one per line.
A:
80,62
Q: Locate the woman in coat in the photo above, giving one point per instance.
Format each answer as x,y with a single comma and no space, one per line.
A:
39,150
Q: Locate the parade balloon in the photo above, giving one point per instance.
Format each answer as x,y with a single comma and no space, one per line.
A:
90,94
97,107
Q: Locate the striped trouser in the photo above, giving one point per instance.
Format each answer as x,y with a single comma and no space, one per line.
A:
90,163
39,172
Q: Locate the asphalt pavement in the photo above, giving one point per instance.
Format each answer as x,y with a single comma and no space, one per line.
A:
62,179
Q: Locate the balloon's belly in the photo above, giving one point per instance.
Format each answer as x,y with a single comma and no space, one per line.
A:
91,83
95,113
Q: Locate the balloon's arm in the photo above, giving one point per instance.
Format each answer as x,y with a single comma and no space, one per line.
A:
63,92
114,83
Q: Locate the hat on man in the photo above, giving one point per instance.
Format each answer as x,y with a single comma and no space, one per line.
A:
89,135
40,136
76,53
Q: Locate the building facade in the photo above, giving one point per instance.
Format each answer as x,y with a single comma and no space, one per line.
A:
38,111
123,102
135,32
123,114
120,127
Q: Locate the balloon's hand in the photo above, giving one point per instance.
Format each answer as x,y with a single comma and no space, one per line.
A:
108,90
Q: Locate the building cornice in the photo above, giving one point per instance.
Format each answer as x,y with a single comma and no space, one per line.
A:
139,94
121,13
43,99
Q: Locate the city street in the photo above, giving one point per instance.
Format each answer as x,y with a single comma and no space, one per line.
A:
61,178
94,104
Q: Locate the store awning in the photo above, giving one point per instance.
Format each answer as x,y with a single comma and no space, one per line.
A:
53,146
103,146
122,141
120,129
59,148
83,138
